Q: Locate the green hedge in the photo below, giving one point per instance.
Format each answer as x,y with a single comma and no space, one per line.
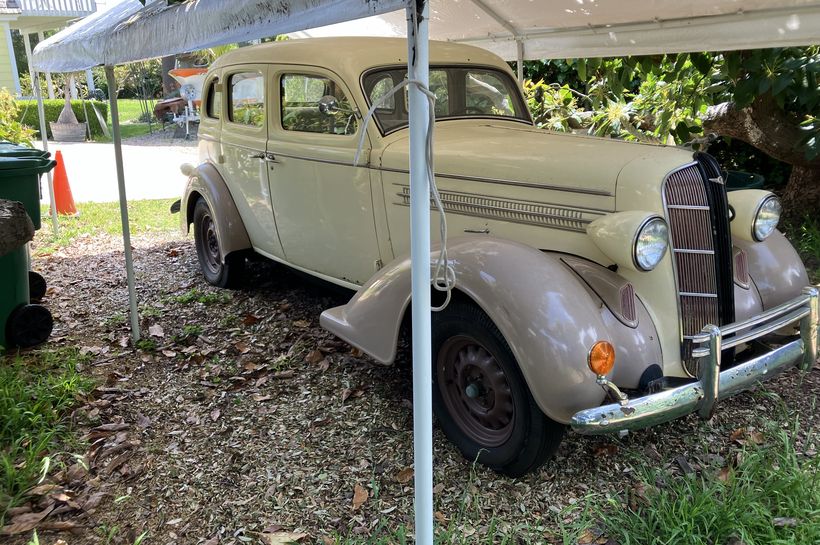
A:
28,113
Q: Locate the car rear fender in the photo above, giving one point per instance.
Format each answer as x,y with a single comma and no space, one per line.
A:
206,182
549,316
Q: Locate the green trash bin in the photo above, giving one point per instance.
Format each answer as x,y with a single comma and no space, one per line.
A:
21,324
20,181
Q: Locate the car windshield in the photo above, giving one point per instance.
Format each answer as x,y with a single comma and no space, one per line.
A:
460,92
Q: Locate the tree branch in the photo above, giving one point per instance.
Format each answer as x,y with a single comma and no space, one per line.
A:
763,125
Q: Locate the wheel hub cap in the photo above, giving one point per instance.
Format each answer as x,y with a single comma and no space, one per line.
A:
475,390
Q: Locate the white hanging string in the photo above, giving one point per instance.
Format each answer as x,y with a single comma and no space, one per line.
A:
444,277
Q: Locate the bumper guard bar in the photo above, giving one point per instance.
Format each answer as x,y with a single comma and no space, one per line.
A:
713,385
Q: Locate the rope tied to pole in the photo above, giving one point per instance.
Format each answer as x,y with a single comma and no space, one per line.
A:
444,276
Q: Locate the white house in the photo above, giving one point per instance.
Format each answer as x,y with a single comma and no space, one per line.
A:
35,17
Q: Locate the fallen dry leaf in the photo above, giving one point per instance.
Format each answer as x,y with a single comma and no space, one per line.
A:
242,347
26,522
156,331
405,475
314,356
215,414
607,449
440,518
782,522
281,538
250,319
359,496
301,323
724,474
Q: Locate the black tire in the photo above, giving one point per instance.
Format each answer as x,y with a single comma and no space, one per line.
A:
225,273
36,286
29,325
480,397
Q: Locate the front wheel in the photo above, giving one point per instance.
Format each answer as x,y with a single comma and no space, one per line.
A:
480,397
223,273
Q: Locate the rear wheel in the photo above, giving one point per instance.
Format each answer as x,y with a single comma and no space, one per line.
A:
480,397
36,286
29,325
223,273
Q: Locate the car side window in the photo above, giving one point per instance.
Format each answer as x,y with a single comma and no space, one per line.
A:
213,108
247,99
300,97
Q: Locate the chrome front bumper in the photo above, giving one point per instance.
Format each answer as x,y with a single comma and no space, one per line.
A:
702,395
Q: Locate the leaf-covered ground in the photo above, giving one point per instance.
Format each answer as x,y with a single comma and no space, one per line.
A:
237,417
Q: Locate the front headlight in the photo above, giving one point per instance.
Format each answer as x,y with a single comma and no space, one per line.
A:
766,218
651,243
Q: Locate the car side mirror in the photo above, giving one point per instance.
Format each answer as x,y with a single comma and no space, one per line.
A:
328,104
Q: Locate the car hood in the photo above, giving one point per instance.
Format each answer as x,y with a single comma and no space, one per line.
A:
518,153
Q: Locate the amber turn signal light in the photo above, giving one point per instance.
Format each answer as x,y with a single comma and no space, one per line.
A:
601,358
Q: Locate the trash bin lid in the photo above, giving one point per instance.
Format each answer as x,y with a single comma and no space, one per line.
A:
17,151
18,165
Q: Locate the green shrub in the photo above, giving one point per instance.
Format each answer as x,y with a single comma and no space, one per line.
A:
10,128
28,113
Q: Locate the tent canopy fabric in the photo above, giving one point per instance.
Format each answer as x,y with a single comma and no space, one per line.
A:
559,29
603,28
131,32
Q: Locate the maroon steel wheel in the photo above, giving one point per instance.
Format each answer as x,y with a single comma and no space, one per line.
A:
475,390
210,244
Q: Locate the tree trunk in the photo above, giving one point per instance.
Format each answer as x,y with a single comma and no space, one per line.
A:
169,84
802,194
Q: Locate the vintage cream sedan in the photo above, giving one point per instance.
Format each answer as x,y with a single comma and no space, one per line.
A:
600,284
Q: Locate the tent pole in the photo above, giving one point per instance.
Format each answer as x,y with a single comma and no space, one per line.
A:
519,63
126,229
41,113
418,68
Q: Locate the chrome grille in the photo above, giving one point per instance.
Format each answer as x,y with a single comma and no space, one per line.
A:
693,253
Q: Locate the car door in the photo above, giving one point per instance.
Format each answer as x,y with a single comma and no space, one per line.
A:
244,161
323,205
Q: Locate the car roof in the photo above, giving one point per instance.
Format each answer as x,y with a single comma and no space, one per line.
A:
350,56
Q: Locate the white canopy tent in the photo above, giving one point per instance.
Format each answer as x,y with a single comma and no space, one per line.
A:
515,29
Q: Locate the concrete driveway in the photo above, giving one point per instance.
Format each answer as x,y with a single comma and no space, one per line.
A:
151,169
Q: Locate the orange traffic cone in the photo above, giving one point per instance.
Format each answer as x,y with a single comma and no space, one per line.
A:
62,191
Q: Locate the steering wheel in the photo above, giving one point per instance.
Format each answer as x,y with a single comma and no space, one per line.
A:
482,106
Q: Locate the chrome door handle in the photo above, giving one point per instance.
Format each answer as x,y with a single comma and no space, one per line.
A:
267,157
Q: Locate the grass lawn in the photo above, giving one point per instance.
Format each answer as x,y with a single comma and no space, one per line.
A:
37,393
144,216
130,112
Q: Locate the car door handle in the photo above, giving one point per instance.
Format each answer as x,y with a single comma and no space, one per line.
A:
267,157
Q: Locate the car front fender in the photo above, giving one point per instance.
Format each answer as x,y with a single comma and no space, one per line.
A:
549,317
206,182
775,268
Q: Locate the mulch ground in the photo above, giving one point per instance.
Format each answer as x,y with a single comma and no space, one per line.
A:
240,418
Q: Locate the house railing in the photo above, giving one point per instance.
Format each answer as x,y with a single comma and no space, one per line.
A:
57,7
